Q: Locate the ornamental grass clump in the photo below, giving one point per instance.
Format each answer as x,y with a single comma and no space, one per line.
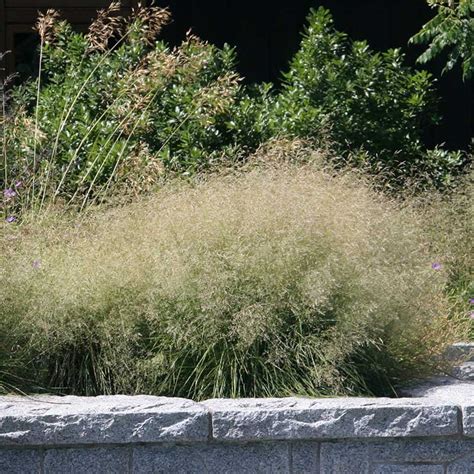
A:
285,280
449,219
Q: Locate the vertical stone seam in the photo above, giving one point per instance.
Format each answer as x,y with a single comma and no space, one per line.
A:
42,454
460,420
210,428
318,458
290,457
130,459
370,458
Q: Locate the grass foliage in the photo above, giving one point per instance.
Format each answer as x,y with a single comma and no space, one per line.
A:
283,280
449,220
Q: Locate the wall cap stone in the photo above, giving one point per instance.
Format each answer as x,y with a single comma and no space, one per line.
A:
449,390
331,418
47,420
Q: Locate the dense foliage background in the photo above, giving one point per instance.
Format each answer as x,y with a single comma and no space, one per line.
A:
115,106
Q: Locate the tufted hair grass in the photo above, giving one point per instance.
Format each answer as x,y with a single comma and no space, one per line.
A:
449,219
285,280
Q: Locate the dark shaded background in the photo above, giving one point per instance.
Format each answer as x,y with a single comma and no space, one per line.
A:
267,33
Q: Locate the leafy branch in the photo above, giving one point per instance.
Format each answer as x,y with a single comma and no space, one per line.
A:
452,30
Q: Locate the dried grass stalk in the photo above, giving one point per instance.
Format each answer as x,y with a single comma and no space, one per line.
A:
46,25
107,24
152,20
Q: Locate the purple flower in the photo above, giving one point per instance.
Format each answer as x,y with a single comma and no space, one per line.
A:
471,301
436,266
10,219
18,184
471,315
9,193
36,263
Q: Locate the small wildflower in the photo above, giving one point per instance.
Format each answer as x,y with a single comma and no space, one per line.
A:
9,193
471,314
436,266
18,184
471,301
36,263
10,219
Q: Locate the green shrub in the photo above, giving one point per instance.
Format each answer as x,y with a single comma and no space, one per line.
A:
270,283
371,106
114,112
117,105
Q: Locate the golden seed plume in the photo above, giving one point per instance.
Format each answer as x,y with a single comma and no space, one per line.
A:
152,20
105,26
45,25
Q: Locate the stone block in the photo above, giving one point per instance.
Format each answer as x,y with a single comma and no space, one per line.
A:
468,419
258,458
463,351
344,457
463,465
50,421
162,459
337,418
408,469
435,451
87,461
439,388
464,371
305,457
20,461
